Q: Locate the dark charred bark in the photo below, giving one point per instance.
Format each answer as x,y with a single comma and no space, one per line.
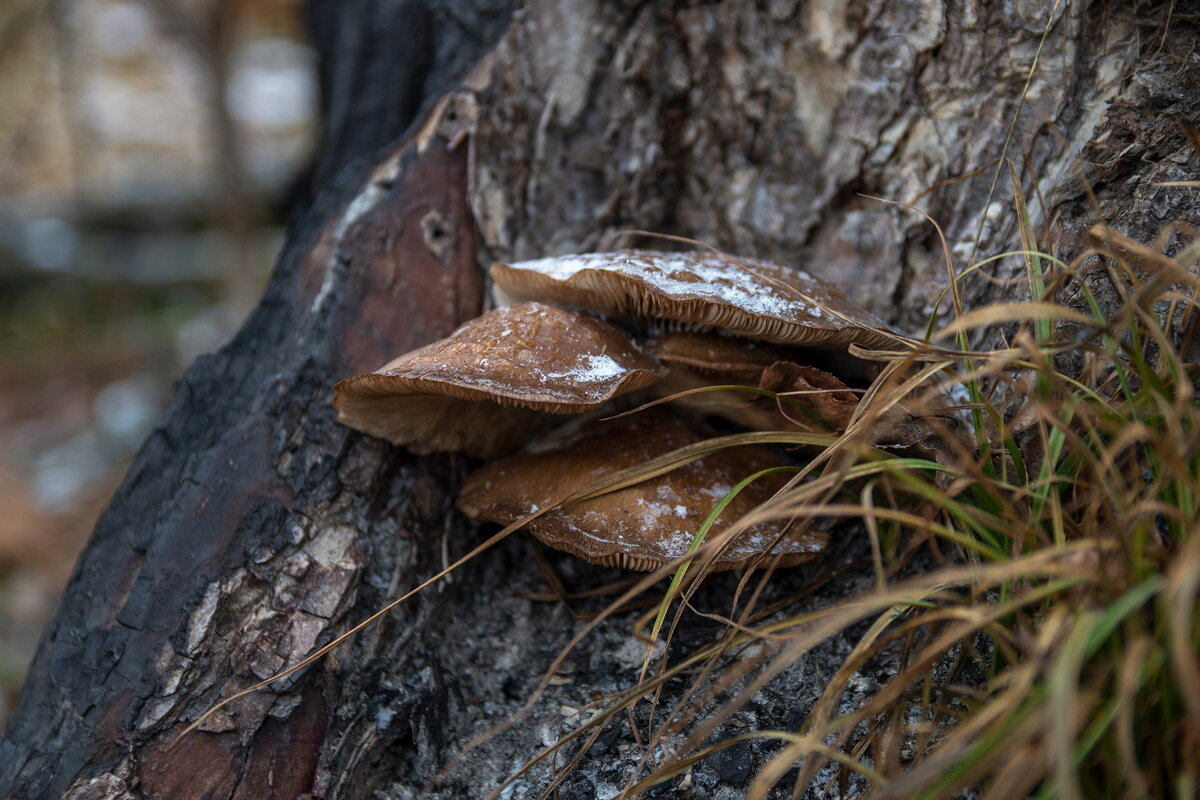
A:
177,588
252,527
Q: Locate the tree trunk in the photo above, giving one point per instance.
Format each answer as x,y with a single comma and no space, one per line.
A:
253,528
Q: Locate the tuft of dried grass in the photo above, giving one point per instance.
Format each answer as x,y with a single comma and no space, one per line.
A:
1067,527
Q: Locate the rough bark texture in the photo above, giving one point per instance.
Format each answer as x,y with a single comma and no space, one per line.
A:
252,527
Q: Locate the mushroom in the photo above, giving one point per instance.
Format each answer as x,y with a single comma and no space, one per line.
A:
643,526
703,360
489,385
826,402
815,399
715,319
742,296
718,354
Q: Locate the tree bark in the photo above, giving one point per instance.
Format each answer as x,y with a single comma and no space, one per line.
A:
253,528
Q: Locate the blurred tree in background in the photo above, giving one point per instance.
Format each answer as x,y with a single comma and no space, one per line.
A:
150,150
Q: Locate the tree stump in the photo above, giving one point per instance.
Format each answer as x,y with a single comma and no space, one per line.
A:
252,528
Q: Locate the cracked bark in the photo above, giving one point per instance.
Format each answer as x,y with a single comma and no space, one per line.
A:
252,528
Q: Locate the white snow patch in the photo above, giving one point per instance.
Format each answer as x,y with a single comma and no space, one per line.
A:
597,369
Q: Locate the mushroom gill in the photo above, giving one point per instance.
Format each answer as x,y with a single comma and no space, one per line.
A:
642,526
489,385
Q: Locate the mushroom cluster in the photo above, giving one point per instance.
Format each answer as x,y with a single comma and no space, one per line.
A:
574,333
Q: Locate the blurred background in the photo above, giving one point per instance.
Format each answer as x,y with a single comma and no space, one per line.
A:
148,153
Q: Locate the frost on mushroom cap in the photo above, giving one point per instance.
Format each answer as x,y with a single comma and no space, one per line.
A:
742,296
641,526
480,389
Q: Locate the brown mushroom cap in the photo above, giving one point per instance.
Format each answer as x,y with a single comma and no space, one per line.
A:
480,389
743,296
828,403
810,399
815,399
642,526
728,358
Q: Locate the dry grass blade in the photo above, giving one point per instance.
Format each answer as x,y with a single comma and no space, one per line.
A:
1014,312
1183,587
